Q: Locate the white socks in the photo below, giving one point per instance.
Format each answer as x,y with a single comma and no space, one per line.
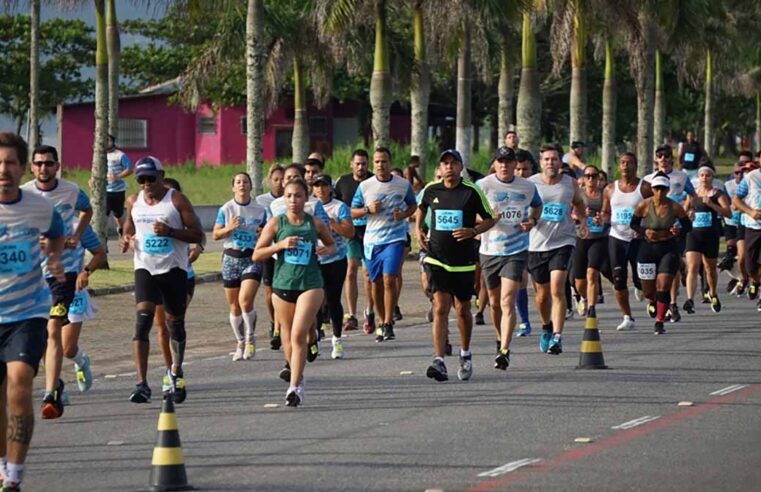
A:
249,319
237,324
79,357
14,473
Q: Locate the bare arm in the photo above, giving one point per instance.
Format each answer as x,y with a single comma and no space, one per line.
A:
192,231
580,210
129,226
344,227
265,249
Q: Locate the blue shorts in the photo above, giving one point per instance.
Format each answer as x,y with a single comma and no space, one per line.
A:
386,260
235,270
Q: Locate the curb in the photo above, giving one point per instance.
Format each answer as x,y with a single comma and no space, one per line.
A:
120,289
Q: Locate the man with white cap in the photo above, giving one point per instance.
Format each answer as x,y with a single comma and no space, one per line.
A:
747,200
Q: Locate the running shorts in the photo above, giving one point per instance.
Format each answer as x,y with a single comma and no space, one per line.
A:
541,263
494,268
169,289
386,260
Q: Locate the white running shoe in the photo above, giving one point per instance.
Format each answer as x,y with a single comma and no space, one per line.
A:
249,351
638,294
338,349
238,355
626,324
581,306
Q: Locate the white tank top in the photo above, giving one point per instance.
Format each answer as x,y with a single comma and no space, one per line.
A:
158,254
622,207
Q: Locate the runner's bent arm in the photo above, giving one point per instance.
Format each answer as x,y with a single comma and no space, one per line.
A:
578,207
129,226
326,237
193,232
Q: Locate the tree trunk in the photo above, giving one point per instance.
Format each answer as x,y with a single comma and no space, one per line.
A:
758,121
255,91
644,85
609,111
506,92
420,91
578,103
99,166
464,125
114,62
380,84
708,138
300,139
33,136
659,122
529,108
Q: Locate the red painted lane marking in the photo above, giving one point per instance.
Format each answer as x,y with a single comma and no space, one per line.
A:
615,440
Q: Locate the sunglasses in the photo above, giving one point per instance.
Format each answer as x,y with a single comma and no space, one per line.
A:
662,154
146,179
739,172
45,163
591,175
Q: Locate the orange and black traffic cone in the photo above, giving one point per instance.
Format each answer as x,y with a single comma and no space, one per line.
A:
591,348
168,471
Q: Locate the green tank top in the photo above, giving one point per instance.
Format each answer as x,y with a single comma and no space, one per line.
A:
656,222
297,268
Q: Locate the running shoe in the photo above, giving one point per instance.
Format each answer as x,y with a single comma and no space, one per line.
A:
726,263
312,352
465,371
52,404
65,398
429,315
369,325
174,384
706,297
581,306
142,394
732,284
238,355
676,317
480,319
715,304
321,332
437,370
388,332
659,329
591,312
285,373
753,291
448,348
350,323
12,486
740,289
338,348
569,314
524,330
249,352
689,306
397,314
379,334
556,345
651,310
600,298
294,396
626,325
758,305
638,294
275,341
83,375
503,360
544,341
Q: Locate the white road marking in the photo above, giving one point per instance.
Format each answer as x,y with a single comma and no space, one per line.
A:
114,443
583,440
729,389
406,373
271,405
509,467
685,404
634,423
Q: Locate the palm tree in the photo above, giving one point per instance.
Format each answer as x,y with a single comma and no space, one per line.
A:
255,56
708,138
659,115
420,88
114,60
578,103
609,110
34,76
464,123
99,165
529,108
505,90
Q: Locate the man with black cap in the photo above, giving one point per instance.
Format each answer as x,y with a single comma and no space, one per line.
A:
573,158
159,226
504,248
511,141
451,261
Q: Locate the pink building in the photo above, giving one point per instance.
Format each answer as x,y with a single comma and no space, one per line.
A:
150,125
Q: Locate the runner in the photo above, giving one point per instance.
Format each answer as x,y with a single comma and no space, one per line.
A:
658,259
298,284
25,300
275,178
345,188
620,199
75,210
734,232
451,262
387,201
551,244
238,223
119,167
690,153
160,224
504,247
407,247
511,141
333,267
574,158
523,169
747,200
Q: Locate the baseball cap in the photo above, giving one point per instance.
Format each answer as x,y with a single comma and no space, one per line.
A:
660,181
453,152
576,144
315,162
504,154
322,178
148,166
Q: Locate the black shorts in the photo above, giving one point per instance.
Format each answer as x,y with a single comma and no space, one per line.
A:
656,258
288,295
541,263
730,232
621,255
115,203
191,288
590,253
23,341
494,268
169,289
706,244
63,294
752,249
458,284
268,272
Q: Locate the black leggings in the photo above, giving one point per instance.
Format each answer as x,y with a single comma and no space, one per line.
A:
333,276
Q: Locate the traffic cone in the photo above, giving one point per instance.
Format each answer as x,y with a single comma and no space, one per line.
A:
168,472
591,348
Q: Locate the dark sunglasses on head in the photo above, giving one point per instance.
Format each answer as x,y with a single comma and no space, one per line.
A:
45,163
662,154
591,175
146,179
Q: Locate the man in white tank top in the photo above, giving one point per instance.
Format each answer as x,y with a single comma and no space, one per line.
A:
620,199
159,226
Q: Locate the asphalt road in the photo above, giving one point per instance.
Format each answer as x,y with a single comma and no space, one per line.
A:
369,425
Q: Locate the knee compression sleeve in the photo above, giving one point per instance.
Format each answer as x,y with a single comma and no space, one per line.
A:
177,333
619,278
143,326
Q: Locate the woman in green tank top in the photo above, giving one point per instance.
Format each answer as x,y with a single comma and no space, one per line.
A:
297,283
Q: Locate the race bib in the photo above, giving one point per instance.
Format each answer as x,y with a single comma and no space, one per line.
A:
511,215
79,303
243,239
702,220
735,219
646,271
15,258
300,255
554,212
743,220
448,220
622,216
592,227
157,245
689,157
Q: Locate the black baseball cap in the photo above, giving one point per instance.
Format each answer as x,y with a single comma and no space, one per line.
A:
324,179
504,154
